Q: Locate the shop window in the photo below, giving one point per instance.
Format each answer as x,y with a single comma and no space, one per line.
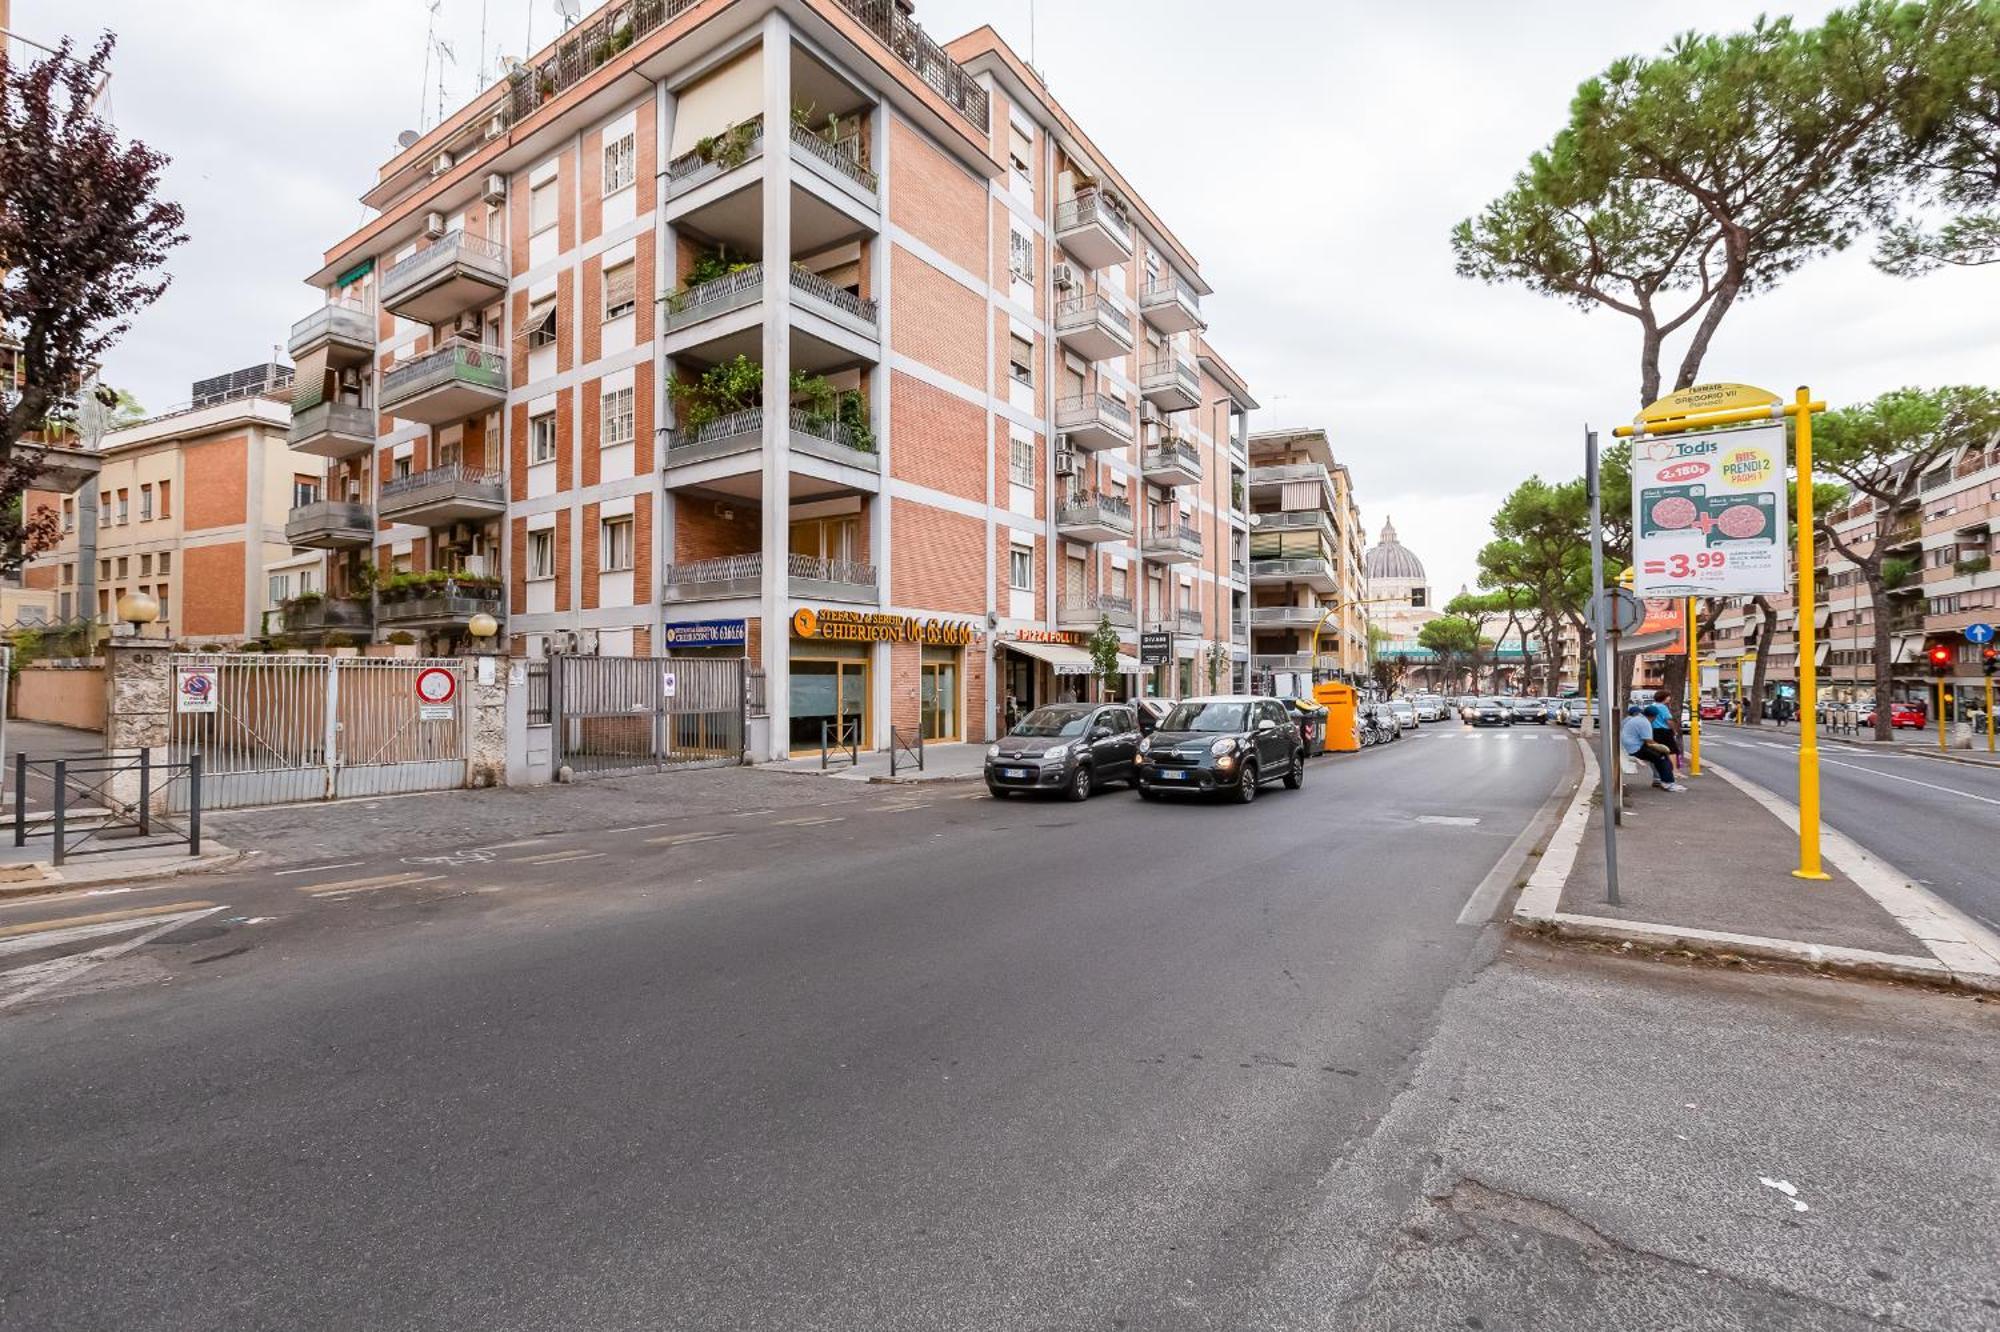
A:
620,165
615,418
542,553
615,545
619,291
938,694
542,438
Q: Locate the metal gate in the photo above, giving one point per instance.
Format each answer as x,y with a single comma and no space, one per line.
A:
625,714
285,728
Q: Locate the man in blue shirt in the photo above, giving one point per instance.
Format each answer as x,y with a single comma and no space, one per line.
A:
1636,738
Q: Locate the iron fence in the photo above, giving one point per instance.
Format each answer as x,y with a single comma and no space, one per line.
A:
624,714
83,809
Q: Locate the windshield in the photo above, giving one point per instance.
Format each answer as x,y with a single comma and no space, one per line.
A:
1205,717
1052,722
1400,705
1492,702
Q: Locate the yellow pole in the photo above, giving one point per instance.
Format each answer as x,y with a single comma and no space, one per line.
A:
1694,691
1940,684
1989,714
1808,634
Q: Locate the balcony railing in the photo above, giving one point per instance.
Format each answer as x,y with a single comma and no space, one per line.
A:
827,576
844,157
330,521
1172,539
587,48
817,287
486,257
1086,609
1091,509
743,287
317,614
833,431
1095,410
743,576
1090,208
350,321
1168,299
1172,454
734,147
900,33
343,419
1286,617
482,366
450,484
449,601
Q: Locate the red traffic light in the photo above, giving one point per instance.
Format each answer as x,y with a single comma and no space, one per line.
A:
1989,660
1940,655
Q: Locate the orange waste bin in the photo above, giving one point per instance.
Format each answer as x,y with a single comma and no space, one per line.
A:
1342,735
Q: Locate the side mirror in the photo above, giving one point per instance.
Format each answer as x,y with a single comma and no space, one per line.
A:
1099,731
1266,724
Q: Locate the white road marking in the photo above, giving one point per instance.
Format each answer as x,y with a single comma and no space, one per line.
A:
28,943
687,839
1890,776
343,888
1449,820
557,857
808,821
509,846
315,869
69,968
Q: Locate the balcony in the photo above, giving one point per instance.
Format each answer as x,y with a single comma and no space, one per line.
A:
331,525
317,617
720,319
1315,572
438,603
1184,623
1903,536
1286,617
828,456
906,39
807,577
333,430
1085,611
1171,305
450,276
449,494
1094,326
447,385
1095,421
345,329
1171,543
1297,520
839,164
1172,461
1096,233
737,146
1089,516
1172,384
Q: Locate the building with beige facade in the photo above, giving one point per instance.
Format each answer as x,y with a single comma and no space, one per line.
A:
781,330
1305,563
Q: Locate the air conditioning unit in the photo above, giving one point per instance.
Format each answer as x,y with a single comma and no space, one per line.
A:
496,126
434,225
586,641
1065,462
496,188
1063,275
442,163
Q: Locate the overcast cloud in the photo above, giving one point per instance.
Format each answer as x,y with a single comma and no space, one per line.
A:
1314,156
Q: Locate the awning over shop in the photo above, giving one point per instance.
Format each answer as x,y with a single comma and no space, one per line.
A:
1819,652
1128,665
1065,659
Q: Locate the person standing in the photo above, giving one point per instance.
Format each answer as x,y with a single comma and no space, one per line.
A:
1666,728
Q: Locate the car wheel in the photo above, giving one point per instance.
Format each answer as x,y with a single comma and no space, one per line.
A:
1079,783
1297,776
1246,784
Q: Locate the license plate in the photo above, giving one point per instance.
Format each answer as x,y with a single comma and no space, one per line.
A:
1013,772
1172,776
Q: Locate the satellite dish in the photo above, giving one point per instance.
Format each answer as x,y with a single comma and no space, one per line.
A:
407,139
570,10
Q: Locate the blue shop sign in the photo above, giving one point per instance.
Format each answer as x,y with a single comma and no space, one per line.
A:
706,633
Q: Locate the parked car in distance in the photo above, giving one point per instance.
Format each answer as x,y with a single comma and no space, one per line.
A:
1529,710
1713,709
1467,705
1491,712
1231,743
1405,713
1569,711
1430,707
1901,715
1071,748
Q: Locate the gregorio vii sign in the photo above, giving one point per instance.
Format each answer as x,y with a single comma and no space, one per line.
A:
879,627
1708,513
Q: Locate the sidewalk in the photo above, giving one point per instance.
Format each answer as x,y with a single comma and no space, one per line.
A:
1709,873
943,762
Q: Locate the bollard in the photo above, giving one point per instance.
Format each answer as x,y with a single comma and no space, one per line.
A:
62,800
194,803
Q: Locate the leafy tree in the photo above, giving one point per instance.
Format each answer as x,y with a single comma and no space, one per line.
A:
1103,648
83,234
1882,450
1687,181
1542,548
1454,638
1955,167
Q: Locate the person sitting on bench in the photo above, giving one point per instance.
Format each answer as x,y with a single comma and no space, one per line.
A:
1636,738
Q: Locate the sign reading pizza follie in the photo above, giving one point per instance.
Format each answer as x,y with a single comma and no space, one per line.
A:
879,627
1708,513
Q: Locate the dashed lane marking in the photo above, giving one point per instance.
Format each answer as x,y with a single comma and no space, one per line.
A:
808,821
558,857
343,886
687,839
1449,820
98,918
317,869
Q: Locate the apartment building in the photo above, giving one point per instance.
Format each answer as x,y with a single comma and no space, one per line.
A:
1306,555
778,330
190,509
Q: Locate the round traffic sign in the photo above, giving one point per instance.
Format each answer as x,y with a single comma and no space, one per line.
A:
1979,633
436,684
1623,611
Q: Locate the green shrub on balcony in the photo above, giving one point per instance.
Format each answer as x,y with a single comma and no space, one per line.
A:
738,386
1895,572
1977,564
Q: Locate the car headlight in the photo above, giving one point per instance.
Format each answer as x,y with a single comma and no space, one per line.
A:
1055,755
1223,746
993,751
1146,745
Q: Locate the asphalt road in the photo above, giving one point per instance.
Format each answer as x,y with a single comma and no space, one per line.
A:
1936,821
897,1059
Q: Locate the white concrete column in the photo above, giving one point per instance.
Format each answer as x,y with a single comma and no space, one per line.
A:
775,594
881,701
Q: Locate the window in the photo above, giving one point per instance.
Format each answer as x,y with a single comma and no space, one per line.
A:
123,566
619,297
124,507
305,490
281,588
1020,151
68,577
399,468
542,553
1020,359
306,581
619,164
145,565
1416,596
615,545
542,323
166,499
166,561
542,206
166,603
542,438
104,508
146,503
1021,461
1021,255
615,418
69,515
1021,568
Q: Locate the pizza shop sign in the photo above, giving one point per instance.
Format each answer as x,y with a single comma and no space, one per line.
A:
877,627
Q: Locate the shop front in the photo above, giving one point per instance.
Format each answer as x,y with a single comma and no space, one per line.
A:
834,657
705,638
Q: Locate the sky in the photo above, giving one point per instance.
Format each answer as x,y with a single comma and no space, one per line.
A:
1313,156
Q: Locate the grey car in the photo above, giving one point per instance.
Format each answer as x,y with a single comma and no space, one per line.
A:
1067,748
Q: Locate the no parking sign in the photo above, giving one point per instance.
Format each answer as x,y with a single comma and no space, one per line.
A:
195,689
436,687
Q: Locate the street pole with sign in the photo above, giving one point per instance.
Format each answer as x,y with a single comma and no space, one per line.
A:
1706,407
1607,761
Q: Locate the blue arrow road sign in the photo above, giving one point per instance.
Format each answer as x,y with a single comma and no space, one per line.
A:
1979,633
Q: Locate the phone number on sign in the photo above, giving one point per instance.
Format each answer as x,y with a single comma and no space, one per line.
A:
1680,565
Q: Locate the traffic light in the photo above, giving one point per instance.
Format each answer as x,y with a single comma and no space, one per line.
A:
1989,660
1940,655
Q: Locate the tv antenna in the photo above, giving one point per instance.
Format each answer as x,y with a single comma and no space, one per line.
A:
570,11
